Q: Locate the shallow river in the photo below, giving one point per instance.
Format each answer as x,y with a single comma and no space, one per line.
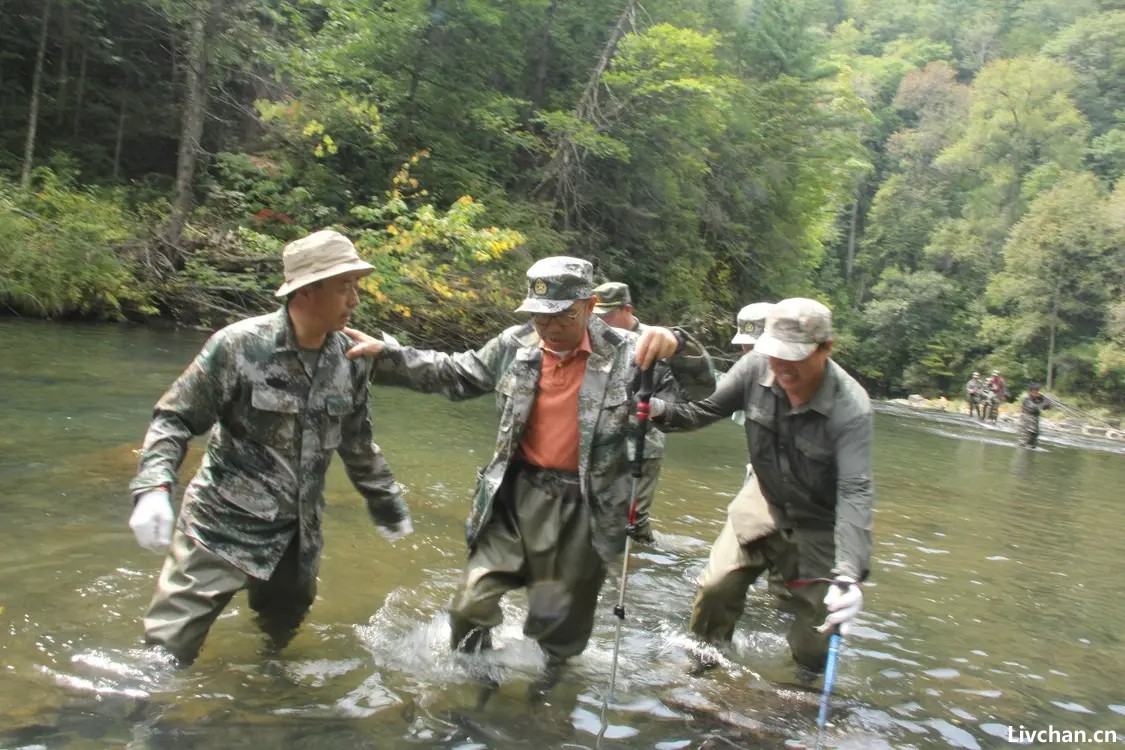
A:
995,600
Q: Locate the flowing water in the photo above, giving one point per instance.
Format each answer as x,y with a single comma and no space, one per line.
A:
994,601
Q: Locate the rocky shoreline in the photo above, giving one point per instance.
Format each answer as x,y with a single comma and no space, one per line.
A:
1052,422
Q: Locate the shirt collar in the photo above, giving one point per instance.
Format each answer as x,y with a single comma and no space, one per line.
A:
583,346
285,339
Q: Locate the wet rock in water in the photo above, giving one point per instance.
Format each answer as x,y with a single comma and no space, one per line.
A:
1113,423
914,398
1093,431
1115,434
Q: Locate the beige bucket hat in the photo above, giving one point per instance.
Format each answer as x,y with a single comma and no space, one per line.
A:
321,255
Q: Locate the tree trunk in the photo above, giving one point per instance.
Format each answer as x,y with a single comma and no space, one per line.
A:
80,93
852,231
36,91
561,178
1051,339
64,67
539,90
119,141
203,28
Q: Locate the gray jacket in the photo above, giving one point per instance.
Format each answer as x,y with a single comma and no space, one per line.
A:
813,463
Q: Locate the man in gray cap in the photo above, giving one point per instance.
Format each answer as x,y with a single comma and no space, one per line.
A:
550,509
808,508
279,397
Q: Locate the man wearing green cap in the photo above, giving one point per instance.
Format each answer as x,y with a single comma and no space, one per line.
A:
808,509
615,308
550,508
278,397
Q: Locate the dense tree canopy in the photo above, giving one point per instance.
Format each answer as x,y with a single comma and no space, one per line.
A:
944,173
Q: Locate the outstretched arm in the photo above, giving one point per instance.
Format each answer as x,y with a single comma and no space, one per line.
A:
457,376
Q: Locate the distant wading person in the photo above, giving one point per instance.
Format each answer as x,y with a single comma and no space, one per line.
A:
1032,405
279,397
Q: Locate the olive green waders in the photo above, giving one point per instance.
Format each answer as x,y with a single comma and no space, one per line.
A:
195,584
733,567
646,490
538,537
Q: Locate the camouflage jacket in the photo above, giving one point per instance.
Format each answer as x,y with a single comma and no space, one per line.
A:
975,387
509,365
1030,409
813,462
273,430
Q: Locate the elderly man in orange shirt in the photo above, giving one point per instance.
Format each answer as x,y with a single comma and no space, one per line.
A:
550,508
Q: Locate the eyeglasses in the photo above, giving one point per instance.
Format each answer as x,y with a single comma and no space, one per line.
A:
566,317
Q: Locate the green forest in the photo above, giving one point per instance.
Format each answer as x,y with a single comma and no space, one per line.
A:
945,174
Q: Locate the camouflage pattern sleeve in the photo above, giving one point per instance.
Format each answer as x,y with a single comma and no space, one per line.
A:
189,408
367,468
693,368
457,376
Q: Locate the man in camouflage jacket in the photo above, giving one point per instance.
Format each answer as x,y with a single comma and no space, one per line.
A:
550,508
279,397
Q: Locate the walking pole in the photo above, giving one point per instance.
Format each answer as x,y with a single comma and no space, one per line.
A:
826,695
643,396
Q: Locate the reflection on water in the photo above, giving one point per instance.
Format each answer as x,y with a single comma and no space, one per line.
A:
990,606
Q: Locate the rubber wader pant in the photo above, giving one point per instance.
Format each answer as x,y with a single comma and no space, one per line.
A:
733,567
646,490
537,537
196,584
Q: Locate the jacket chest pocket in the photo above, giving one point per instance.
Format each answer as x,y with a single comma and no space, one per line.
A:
337,407
818,465
275,417
613,422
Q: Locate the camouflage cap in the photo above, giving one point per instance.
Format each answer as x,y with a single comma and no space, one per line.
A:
751,322
794,328
321,255
611,295
554,284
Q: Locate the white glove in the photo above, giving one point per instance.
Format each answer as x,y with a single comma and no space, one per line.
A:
151,521
844,600
398,530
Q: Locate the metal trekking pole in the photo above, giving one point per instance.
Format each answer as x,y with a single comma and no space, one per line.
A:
826,694
643,396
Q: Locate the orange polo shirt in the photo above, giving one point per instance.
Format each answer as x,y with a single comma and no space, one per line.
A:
550,439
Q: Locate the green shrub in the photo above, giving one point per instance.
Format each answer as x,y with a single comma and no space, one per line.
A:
60,252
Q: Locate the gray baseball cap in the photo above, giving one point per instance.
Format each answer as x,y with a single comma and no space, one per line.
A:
751,322
611,295
556,283
794,328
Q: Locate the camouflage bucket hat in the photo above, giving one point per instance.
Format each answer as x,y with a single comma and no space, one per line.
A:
611,295
794,328
554,284
321,255
751,323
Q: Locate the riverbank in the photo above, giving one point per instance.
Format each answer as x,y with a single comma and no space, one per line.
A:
1104,423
